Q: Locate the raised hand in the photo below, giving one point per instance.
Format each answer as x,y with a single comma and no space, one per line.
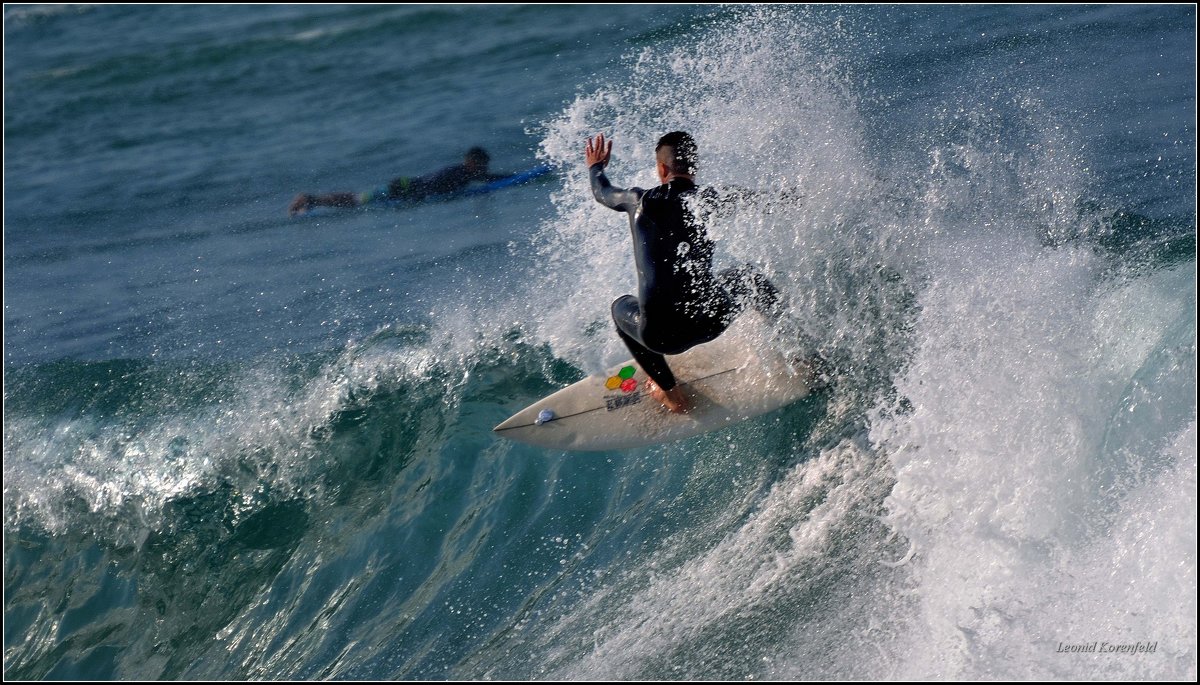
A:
598,151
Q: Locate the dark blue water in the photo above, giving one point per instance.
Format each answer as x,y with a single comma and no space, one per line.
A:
240,445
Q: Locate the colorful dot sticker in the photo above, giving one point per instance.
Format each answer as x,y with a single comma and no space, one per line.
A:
623,380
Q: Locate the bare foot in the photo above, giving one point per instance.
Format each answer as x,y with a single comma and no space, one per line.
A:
672,399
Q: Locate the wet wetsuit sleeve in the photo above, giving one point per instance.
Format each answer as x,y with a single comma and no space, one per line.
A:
620,199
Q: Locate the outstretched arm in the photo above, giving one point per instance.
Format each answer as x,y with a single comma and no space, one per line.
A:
596,155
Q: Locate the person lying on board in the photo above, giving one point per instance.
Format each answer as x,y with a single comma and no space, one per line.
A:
405,189
680,303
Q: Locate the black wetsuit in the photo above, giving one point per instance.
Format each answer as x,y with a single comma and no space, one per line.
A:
451,179
680,302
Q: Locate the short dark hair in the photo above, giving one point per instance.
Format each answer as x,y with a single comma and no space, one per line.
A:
684,148
478,155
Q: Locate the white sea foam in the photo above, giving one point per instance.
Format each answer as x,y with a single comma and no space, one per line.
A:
257,431
1012,350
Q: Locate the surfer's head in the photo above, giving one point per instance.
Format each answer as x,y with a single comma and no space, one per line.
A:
477,158
675,155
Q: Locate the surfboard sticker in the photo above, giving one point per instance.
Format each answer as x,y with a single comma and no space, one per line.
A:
615,402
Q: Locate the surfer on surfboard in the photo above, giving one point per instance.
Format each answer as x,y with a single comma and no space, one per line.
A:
451,179
680,303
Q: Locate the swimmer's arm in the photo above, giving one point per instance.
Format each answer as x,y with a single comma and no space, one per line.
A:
304,201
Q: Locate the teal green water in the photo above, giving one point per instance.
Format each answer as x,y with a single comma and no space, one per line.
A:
240,445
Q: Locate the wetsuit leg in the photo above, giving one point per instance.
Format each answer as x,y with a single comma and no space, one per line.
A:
627,314
402,189
745,286
372,196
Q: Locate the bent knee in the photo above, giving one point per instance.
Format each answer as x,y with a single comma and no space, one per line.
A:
626,307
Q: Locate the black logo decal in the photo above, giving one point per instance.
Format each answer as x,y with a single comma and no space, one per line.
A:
614,402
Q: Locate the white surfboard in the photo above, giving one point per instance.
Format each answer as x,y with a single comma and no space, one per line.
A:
731,379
